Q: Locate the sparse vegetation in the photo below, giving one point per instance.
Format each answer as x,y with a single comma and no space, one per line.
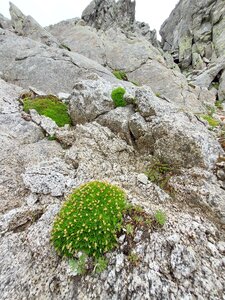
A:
50,107
212,122
121,75
160,217
160,173
133,258
117,97
218,104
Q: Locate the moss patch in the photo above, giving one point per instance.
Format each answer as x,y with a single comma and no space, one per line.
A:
117,96
50,107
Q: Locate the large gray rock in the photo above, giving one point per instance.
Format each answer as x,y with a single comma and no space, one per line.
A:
29,63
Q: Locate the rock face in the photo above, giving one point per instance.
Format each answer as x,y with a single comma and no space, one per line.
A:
41,163
129,49
194,35
27,26
103,14
29,63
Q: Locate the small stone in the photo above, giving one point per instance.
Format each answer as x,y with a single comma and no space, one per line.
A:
173,239
31,199
138,236
63,96
221,246
221,174
122,238
119,262
142,178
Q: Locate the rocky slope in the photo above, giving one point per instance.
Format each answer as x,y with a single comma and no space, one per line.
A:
185,259
194,34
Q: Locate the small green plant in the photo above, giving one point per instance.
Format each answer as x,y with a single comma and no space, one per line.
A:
160,217
212,122
218,104
159,173
133,258
89,220
50,107
121,75
158,95
79,265
117,97
52,137
101,264
139,219
129,228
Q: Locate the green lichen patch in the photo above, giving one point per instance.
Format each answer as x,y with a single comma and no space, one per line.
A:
50,107
118,97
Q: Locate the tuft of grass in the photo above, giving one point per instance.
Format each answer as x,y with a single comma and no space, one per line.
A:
121,75
212,122
160,173
89,220
101,264
160,217
79,265
129,229
218,104
50,107
117,97
158,95
133,258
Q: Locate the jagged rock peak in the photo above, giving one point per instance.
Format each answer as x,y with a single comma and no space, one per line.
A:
103,14
29,27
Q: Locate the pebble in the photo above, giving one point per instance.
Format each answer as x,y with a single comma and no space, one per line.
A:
142,178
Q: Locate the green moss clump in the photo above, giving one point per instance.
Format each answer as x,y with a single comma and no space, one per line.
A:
50,107
212,122
117,96
89,220
121,75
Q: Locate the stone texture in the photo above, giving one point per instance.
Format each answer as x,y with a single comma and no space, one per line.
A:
27,26
194,35
185,258
25,62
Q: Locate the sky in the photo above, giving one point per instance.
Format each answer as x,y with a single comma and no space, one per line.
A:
46,12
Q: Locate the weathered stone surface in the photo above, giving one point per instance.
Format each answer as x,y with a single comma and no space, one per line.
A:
49,177
194,34
118,121
183,259
29,63
27,26
90,99
5,23
103,14
47,124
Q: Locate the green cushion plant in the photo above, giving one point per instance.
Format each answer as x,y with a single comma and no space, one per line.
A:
89,220
117,97
50,107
